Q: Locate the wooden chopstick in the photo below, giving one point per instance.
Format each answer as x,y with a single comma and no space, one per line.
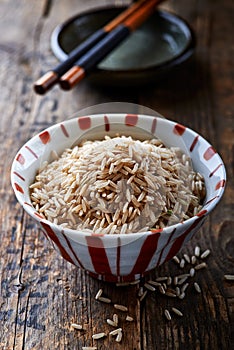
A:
99,51
48,80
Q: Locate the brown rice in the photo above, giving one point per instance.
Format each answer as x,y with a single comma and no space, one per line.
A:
118,185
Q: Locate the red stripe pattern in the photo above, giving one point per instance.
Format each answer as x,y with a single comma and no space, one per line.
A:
45,137
216,169
127,258
209,153
154,124
19,176
98,255
18,188
72,250
220,184
193,145
107,124
55,239
31,151
131,119
147,251
64,130
20,159
84,123
165,246
179,129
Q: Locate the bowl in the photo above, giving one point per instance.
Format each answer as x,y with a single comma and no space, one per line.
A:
160,44
118,257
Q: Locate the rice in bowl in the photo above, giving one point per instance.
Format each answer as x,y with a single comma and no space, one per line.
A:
118,185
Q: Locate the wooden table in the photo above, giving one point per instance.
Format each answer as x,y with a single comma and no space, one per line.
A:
41,294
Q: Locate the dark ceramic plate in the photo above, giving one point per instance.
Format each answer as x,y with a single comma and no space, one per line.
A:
161,43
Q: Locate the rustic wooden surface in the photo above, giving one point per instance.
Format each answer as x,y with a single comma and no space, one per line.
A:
41,294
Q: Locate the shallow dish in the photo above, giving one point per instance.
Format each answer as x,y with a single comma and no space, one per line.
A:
120,257
161,43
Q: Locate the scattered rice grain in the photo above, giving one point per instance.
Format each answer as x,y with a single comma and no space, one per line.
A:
197,251
115,331
105,300
116,319
183,275
205,254
161,289
122,284
154,283
187,258
200,266
76,326
193,260
167,314
134,282
171,294
192,272
161,279
177,291
111,322
143,295
182,280
197,287
176,259
119,337
149,287
99,335
184,287
121,307
169,281
182,263
129,318
229,277
176,311
182,296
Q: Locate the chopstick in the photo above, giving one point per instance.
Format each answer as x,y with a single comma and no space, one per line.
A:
99,51
49,79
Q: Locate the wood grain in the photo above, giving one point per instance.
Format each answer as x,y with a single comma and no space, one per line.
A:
40,293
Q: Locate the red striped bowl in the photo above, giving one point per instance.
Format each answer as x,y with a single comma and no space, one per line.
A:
123,257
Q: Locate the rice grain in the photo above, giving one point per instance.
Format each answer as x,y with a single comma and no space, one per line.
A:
176,259
129,318
143,295
105,300
167,314
76,326
111,322
99,335
118,180
119,337
205,254
115,331
229,277
197,287
121,307
197,251
200,266
192,272
176,311
149,287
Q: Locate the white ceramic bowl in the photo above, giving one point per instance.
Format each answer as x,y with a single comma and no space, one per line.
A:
120,257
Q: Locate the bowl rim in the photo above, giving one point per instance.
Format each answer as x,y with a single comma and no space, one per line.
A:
28,207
